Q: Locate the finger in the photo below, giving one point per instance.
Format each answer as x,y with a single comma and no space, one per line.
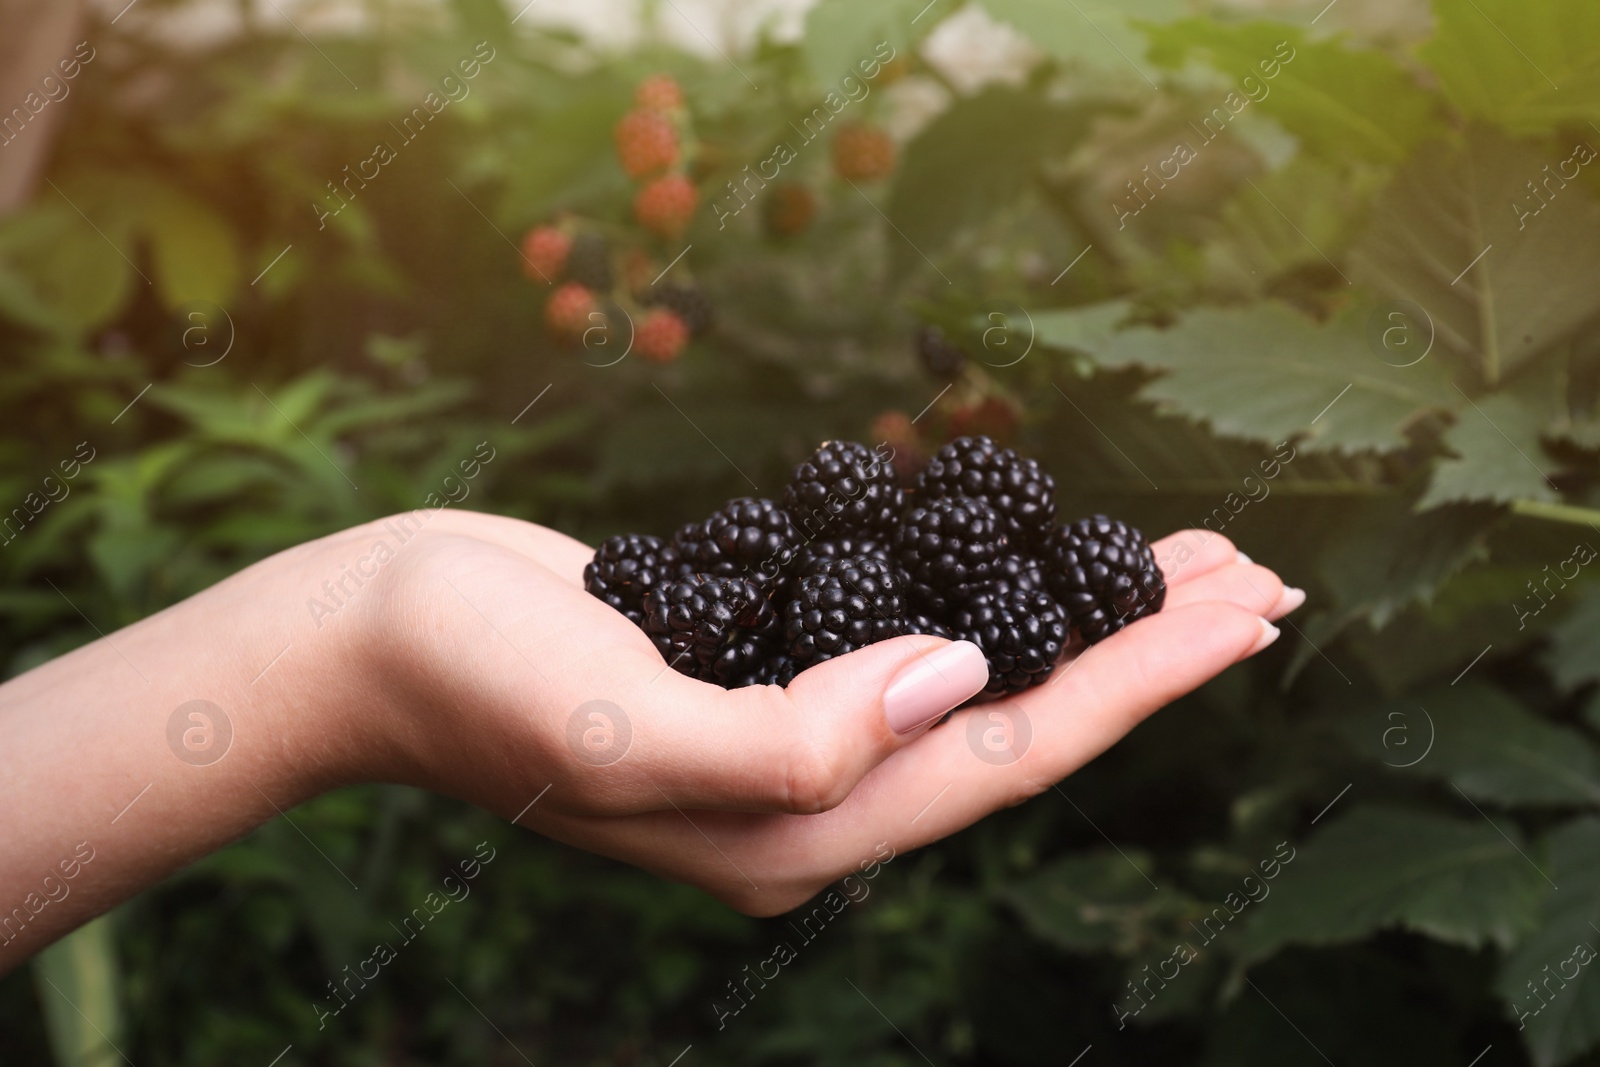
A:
763,748
1189,554
1246,584
949,778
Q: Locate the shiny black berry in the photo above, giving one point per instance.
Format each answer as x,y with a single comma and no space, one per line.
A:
747,537
589,262
940,357
844,488
845,605
1021,634
815,554
687,300
1014,571
712,628
1018,488
1105,575
948,547
625,568
919,623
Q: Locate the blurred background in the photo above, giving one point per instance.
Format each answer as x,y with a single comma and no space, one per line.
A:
1321,277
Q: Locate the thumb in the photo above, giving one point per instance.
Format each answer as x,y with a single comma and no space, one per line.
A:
908,682
841,718
798,750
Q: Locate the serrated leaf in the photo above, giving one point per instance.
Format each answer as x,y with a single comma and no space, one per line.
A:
1385,867
1079,329
942,185
1498,455
1266,373
1094,902
1530,68
1574,656
1563,1019
1095,33
1384,557
843,33
1453,235
1342,104
1482,742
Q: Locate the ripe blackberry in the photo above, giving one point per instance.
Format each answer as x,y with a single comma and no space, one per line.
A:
687,300
949,546
1018,488
625,568
1104,573
847,604
710,628
844,487
815,554
747,537
918,623
1021,635
941,357
589,261
1015,571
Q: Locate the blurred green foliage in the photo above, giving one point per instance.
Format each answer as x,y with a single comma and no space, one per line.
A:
1304,285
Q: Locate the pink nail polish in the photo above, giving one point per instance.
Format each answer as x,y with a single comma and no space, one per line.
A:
932,684
1269,634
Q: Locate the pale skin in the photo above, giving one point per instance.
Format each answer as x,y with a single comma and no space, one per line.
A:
457,666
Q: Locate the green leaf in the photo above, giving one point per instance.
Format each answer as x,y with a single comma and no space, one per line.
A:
1079,329
1484,743
1094,902
1498,455
1341,104
79,988
942,185
192,250
1563,1019
1266,373
843,33
1454,235
63,273
1381,867
1574,656
1384,558
1095,33
1530,68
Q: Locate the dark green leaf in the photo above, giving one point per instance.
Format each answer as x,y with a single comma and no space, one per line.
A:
1457,235
1455,880
1266,373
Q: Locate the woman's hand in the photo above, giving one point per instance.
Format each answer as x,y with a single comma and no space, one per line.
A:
500,681
459,652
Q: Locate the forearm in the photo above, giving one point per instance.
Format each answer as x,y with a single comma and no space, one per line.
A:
110,782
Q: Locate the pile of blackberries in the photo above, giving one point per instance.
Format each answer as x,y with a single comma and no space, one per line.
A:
763,589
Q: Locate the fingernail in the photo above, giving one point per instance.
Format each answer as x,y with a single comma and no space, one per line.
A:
1292,598
1269,634
932,684
1245,559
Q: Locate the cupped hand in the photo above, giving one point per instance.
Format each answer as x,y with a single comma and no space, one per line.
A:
501,682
